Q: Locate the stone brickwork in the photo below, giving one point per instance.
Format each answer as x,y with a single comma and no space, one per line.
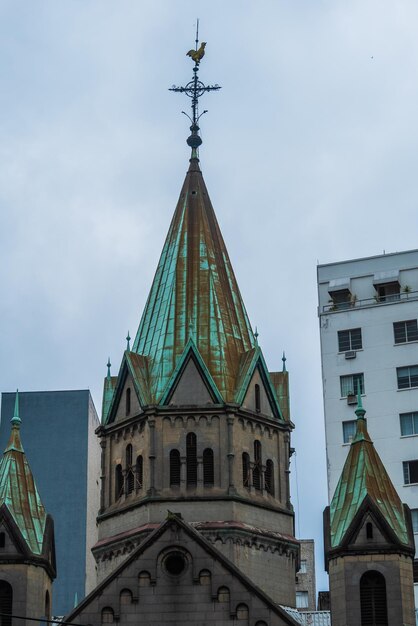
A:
345,574
198,586
229,434
305,577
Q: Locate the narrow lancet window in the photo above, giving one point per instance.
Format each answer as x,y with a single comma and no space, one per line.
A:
174,468
208,469
118,482
257,398
246,469
139,472
269,477
191,460
128,401
257,465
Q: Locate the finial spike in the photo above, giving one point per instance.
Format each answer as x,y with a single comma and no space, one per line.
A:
360,411
256,336
16,421
109,365
284,361
128,344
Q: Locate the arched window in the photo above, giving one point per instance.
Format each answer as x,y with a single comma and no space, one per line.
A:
6,603
257,465
126,596
242,611
118,481
269,477
204,577
246,469
191,460
144,579
174,467
108,617
257,398
47,605
139,472
369,530
128,455
130,478
223,594
373,601
2,540
208,470
128,401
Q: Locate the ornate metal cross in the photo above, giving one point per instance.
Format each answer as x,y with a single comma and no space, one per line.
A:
194,90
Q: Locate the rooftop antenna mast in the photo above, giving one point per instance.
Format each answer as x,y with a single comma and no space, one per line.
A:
194,89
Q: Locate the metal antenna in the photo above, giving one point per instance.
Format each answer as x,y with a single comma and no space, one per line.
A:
194,89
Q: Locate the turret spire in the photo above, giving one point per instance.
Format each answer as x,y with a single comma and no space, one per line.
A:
194,89
16,421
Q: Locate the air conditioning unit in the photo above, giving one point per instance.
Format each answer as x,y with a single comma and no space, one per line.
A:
351,354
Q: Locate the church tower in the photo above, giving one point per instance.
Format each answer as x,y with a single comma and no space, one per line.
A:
369,542
194,422
27,549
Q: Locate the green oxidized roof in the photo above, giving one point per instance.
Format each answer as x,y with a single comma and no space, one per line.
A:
18,491
364,475
194,295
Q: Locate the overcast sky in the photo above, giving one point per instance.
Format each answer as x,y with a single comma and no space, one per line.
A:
309,154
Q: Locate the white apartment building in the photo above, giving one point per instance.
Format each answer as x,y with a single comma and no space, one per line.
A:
368,311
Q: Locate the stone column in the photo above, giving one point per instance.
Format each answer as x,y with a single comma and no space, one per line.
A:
199,473
183,476
151,424
231,455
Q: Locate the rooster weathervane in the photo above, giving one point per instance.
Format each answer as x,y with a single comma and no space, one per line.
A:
194,90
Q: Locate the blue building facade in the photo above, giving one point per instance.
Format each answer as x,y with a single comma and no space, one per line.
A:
64,455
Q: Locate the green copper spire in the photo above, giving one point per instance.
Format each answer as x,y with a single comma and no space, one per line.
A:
364,475
194,294
128,342
18,491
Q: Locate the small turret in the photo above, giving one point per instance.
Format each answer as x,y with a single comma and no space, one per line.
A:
369,542
27,548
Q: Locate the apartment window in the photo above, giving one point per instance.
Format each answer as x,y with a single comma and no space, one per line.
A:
302,600
405,331
349,429
341,299
388,293
409,423
410,472
407,377
349,340
414,513
351,383
302,569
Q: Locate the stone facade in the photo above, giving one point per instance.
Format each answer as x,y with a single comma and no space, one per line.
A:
176,574
229,435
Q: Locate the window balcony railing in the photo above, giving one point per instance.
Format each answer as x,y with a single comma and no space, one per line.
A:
354,303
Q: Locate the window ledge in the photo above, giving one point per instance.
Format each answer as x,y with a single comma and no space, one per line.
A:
411,485
409,436
408,388
354,350
363,395
405,343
